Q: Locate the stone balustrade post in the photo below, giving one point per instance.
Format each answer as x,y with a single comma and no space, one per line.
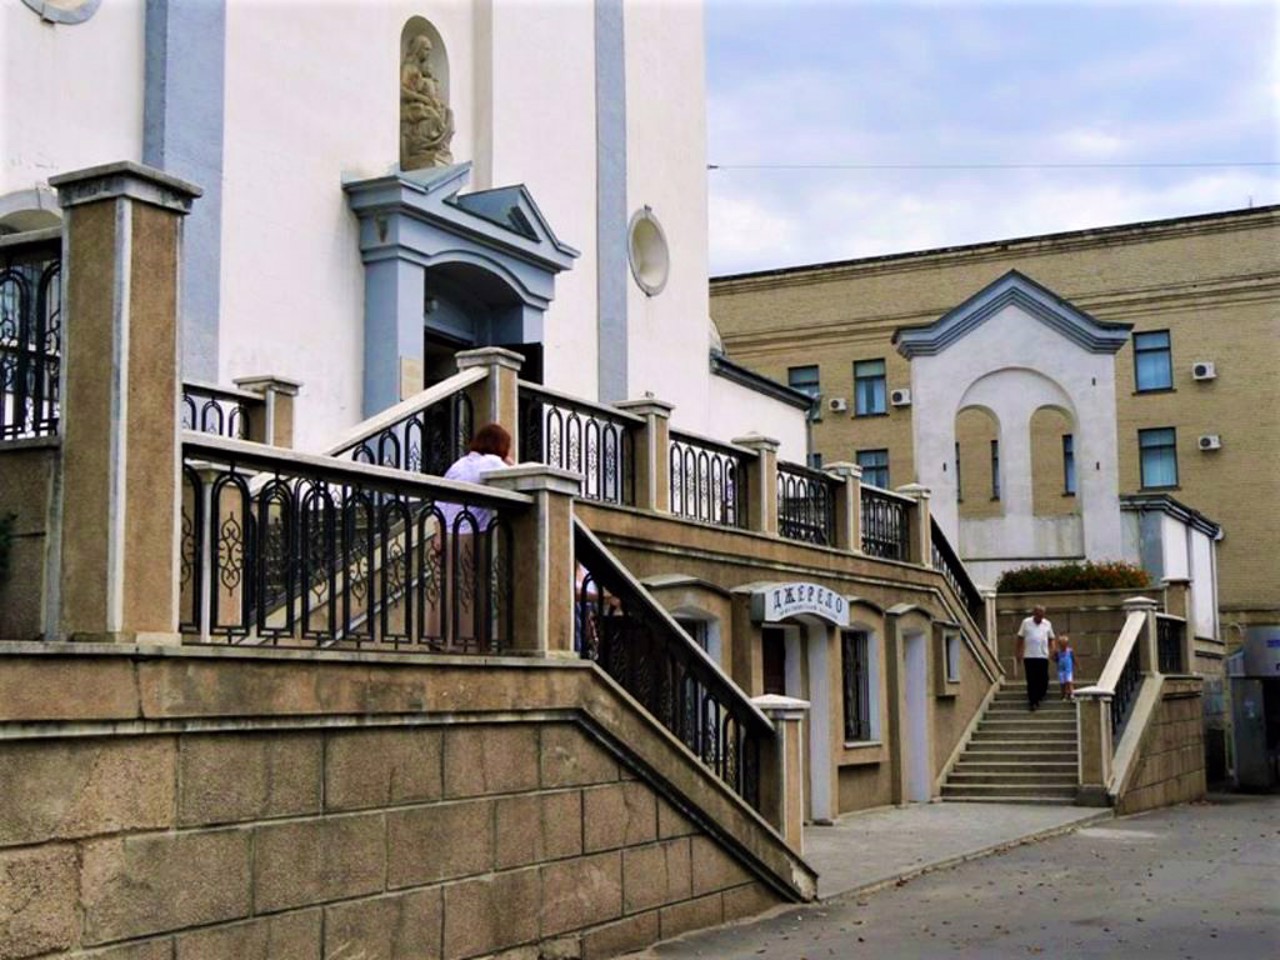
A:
543,566
762,483
921,527
496,398
1093,710
652,453
991,625
121,394
1180,602
1148,649
848,506
274,425
782,767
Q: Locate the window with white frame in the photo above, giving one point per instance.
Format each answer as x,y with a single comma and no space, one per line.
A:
869,388
804,379
1069,464
1152,361
1158,457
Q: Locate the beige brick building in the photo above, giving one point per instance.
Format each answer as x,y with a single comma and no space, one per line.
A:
1200,292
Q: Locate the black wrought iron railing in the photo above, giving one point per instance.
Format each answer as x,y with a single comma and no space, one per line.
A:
1170,643
595,442
708,480
215,410
806,505
948,563
1126,692
621,629
426,440
886,524
30,334
305,551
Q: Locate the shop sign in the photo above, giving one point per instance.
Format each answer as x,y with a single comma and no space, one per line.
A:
783,600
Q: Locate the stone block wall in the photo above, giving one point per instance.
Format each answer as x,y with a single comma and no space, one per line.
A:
179,804
1171,757
393,842
27,469
1093,618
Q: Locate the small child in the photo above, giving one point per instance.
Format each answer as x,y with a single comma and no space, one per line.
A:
1066,661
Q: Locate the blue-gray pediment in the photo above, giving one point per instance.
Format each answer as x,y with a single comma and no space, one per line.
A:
423,215
1016,289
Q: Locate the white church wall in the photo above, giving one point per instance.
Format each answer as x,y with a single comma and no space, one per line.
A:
544,136
312,98
992,366
72,92
737,411
666,170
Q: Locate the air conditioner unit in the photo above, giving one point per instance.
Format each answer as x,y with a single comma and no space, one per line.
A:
1210,441
838,405
900,398
1203,370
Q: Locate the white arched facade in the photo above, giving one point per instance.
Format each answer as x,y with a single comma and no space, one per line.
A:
1013,349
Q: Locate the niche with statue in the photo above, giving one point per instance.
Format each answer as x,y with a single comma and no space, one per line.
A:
426,121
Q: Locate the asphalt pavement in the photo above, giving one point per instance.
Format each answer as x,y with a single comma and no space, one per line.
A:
1195,881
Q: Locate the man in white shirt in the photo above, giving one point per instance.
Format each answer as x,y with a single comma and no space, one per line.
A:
1035,639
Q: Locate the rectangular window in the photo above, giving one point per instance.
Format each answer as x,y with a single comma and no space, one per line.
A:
855,666
804,379
815,461
1069,464
1152,361
1158,457
868,388
995,469
959,485
875,467
951,645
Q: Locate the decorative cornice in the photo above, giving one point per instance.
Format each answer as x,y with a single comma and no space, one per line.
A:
1019,290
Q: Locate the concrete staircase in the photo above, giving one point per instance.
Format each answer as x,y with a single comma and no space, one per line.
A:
1016,756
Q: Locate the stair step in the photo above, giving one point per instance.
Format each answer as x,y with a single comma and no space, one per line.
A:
1016,756
1037,720
1065,792
1067,739
1047,767
1039,801
965,778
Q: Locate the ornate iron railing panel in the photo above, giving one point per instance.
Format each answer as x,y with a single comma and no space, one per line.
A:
426,441
594,442
947,562
886,524
806,505
214,410
30,338
620,628
1126,692
1170,640
289,552
708,481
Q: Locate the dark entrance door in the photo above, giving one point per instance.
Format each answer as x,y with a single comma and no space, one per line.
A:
774,646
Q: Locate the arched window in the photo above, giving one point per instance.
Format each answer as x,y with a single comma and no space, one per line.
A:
978,463
1053,479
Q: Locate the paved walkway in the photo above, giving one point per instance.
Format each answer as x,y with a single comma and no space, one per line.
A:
1184,883
867,850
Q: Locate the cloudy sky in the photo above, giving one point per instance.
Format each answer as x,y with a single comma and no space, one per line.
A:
793,85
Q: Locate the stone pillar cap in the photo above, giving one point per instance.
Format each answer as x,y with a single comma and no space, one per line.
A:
1140,603
125,179
1094,693
269,381
756,441
1170,581
647,407
844,468
917,490
781,708
489,357
534,478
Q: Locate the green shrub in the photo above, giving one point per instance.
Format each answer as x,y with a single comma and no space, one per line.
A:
6,542
1107,575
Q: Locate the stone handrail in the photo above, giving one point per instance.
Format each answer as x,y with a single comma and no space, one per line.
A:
387,422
